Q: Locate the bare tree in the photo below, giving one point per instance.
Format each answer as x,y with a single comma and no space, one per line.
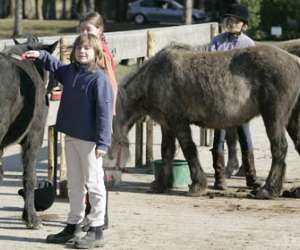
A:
64,9
18,29
12,8
79,7
39,9
188,7
49,9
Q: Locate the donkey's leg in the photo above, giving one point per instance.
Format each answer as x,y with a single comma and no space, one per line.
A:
4,125
184,136
1,165
30,148
168,149
231,141
273,185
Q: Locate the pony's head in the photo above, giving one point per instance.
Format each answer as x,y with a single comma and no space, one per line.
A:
118,153
32,43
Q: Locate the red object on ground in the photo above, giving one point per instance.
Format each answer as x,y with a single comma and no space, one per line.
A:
56,94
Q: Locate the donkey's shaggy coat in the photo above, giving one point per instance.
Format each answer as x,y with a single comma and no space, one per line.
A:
180,86
23,112
293,47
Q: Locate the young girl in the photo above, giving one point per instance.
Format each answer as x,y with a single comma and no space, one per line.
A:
92,23
235,24
85,116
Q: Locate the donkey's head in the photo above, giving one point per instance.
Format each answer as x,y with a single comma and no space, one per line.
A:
118,154
32,43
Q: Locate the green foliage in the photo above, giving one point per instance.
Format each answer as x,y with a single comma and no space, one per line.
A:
284,13
254,7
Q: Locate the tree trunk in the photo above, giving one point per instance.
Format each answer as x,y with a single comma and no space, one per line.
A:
74,12
38,10
188,7
29,9
49,9
12,8
18,18
64,10
90,6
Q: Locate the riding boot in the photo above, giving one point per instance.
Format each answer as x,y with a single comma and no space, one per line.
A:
92,239
250,172
68,233
219,166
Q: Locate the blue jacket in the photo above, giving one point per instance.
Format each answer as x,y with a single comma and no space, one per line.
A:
86,107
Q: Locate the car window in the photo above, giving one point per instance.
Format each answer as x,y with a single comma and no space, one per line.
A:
173,6
176,5
148,3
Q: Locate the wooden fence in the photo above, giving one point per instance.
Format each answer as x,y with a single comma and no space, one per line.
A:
137,44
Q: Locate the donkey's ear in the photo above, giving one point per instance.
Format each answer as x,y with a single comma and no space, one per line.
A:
16,41
51,47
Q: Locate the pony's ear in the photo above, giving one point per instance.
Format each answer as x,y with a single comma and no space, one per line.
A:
16,41
51,47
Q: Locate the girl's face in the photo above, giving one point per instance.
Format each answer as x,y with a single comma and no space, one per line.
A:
84,54
88,28
233,24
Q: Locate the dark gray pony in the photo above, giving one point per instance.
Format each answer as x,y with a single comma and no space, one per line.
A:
292,47
23,112
180,86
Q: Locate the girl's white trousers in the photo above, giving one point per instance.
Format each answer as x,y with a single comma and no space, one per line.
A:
84,174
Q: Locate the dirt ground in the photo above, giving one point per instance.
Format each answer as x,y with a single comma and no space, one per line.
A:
141,220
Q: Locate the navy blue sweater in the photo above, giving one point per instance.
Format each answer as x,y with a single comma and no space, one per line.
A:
86,107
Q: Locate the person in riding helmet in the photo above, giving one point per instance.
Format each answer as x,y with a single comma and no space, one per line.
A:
235,23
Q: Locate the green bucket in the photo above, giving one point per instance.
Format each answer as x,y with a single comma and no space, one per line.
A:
180,176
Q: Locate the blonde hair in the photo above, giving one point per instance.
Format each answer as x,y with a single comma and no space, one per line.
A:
95,19
92,41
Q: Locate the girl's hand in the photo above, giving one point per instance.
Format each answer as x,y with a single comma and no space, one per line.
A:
99,153
31,55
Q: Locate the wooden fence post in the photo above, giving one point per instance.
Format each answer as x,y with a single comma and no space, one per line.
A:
50,153
139,134
149,122
63,190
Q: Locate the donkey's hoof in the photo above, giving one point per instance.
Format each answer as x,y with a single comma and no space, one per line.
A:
254,185
262,194
36,224
196,190
157,188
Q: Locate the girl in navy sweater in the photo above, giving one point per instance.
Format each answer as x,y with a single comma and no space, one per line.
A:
85,116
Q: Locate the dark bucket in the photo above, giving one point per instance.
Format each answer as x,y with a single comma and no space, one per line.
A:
180,176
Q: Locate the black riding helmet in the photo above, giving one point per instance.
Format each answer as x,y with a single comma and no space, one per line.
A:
239,11
44,195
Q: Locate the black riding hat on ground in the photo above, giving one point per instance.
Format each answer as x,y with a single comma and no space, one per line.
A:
239,11
44,195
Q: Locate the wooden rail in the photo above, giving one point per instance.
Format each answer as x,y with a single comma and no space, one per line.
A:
137,44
